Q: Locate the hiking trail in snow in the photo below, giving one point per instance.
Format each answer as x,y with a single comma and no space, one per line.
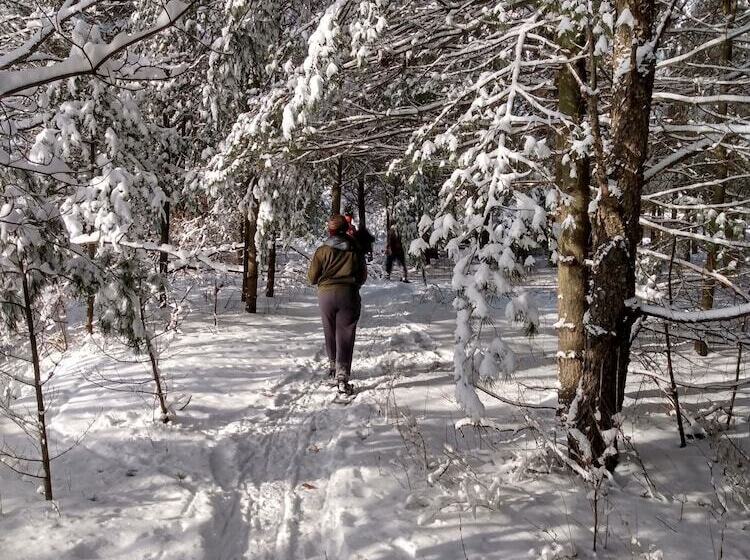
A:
262,466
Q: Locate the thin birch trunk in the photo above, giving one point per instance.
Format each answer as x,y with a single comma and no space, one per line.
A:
164,256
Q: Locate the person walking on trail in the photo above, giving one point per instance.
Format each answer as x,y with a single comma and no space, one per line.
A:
394,251
339,269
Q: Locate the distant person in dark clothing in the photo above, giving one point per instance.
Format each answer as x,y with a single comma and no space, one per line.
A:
394,251
339,269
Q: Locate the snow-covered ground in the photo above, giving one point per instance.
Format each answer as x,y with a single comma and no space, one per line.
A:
261,465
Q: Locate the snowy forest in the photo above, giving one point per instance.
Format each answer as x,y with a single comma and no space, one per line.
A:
531,218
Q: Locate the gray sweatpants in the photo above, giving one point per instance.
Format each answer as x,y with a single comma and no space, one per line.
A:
339,310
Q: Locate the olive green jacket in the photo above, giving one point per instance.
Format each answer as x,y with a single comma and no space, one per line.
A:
337,264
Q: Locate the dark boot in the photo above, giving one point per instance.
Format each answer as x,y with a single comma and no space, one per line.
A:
345,388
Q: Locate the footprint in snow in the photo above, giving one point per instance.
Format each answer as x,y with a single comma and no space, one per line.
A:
347,519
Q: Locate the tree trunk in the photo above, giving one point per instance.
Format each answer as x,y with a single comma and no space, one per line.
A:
161,390
91,247
361,202
718,196
616,232
41,412
655,233
336,189
90,300
271,278
164,236
388,213
244,229
251,250
164,256
573,240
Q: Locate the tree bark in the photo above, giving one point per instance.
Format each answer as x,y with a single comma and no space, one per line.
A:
91,247
616,231
361,202
573,239
251,250
243,231
336,189
718,195
655,233
271,278
90,300
161,390
41,412
388,214
164,256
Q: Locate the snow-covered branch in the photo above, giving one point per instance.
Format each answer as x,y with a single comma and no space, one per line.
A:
713,386
679,316
697,236
701,99
89,58
731,34
695,186
700,270
183,257
56,167
52,24
677,156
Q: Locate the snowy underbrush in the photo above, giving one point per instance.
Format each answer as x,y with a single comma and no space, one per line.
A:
260,463
436,294
446,476
661,502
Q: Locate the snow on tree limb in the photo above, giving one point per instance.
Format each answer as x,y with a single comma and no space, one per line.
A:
700,270
731,34
51,25
701,99
690,235
88,59
184,257
56,168
703,316
694,186
713,386
677,156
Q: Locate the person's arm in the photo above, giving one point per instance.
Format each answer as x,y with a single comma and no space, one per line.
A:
313,273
